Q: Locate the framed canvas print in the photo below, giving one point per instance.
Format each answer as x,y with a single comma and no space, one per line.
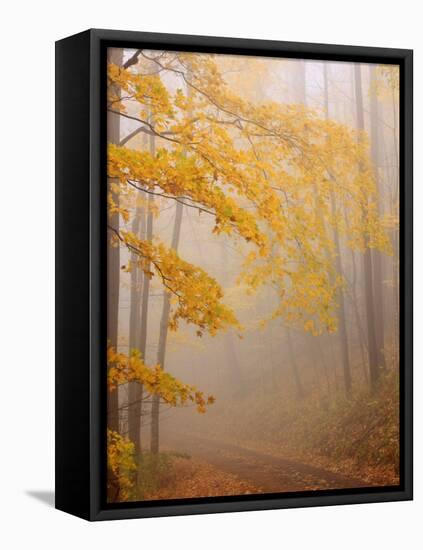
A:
234,274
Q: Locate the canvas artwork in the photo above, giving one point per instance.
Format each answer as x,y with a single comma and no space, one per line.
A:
252,275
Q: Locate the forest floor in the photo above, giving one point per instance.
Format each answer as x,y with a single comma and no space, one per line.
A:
355,438
219,468
348,443
347,468
190,477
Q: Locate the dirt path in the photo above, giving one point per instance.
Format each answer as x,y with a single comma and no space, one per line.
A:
267,472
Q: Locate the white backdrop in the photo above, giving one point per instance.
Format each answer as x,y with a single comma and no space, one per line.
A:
27,36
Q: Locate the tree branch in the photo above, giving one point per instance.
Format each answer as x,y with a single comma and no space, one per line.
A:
177,199
134,133
155,263
133,60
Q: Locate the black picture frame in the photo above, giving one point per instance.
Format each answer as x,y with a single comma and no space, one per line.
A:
81,273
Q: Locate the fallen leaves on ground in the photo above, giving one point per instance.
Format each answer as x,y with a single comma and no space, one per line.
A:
192,478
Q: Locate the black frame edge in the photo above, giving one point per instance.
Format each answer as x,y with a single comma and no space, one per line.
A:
406,265
249,506
72,388
253,46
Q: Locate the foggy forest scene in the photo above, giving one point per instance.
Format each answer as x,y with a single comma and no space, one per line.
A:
252,275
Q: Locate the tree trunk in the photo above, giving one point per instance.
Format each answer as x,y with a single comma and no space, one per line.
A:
236,378
355,307
135,389
318,348
164,326
113,265
346,368
294,366
301,81
367,258
394,212
376,255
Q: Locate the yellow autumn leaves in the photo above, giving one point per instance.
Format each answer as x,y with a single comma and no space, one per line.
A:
123,368
171,174
266,173
121,466
279,180
196,295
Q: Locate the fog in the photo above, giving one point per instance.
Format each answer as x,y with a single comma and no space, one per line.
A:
270,378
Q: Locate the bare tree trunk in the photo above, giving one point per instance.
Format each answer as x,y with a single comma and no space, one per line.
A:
113,264
318,347
354,304
394,208
236,377
346,368
135,389
164,327
376,255
294,365
361,339
367,258
300,82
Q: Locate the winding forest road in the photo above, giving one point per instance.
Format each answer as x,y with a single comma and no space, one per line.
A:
267,472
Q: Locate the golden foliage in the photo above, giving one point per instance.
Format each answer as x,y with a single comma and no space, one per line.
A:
197,295
121,466
155,381
178,176
269,174
387,81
